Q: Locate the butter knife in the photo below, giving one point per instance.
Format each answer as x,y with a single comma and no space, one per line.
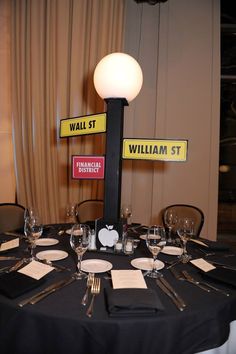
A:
172,290
44,291
42,296
7,258
168,293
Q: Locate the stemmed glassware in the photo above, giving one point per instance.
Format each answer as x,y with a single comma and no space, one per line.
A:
170,219
155,241
79,241
33,229
185,230
126,211
71,213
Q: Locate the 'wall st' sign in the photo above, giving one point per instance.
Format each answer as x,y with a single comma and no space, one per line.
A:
90,124
162,150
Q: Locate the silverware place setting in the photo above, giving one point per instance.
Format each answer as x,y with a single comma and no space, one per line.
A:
95,290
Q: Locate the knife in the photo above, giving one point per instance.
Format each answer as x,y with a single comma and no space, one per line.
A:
190,279
168,293
172,290
42,296
6,258
42,292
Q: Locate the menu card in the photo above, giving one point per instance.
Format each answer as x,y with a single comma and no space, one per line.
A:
9,244
202,264
122,279
36,270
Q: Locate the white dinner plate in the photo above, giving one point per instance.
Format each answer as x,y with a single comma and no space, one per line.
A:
96,266
46,241
52,255
146,263
68,232
172,250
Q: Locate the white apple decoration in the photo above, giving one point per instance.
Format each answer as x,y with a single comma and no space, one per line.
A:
107,236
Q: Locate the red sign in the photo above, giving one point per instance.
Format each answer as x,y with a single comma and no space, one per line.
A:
88,167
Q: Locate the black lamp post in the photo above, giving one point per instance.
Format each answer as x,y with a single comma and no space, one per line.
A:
118,79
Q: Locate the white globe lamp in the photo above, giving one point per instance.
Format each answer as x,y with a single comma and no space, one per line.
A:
118,75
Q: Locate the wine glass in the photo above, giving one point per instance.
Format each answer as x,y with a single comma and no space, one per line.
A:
185,231
155,241
30,212
71,213
126,211
170,219
79,241
33,229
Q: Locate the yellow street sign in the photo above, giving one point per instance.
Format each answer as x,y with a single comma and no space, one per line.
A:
147,149
91,124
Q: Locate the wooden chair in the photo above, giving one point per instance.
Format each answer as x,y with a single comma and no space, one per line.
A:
186,210
89,210
11,216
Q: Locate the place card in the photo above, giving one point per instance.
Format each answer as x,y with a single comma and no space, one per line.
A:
202,264
122,279
9,244
36,270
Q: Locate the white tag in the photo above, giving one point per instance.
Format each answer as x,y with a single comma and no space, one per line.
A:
36,270
9,244
202,264
128,279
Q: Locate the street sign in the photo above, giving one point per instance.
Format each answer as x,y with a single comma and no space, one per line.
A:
148,149
90,124
88,167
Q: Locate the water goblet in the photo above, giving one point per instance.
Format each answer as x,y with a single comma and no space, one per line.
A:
126,213
185,230
170,219
33,230
71,213
155,241
79,241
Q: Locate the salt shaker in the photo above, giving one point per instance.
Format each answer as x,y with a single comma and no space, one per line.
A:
92,241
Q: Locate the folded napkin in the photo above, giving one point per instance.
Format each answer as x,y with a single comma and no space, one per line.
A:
223,275
15,284
210,245
132,302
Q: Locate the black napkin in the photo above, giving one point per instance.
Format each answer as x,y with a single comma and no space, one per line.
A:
132,302
223,275
211,245
14,284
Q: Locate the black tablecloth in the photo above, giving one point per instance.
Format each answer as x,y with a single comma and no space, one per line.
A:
59,325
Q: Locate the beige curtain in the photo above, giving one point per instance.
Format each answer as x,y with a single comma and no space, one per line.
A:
56,45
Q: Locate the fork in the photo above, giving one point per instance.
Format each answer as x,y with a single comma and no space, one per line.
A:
89,285
95,290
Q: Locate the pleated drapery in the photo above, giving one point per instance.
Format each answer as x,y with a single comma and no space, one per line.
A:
56,45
